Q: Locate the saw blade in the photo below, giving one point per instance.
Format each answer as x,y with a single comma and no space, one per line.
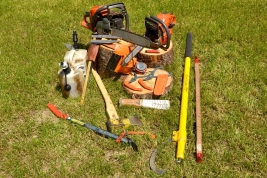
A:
104,41
134,38
131,55
153,165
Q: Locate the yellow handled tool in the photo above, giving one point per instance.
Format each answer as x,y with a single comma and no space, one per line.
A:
180,135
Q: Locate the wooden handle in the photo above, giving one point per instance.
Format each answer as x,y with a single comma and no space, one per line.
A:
133,102
198,113
86,81
92,52
91,56
109,105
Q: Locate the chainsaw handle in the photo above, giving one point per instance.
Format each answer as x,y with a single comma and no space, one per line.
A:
85,23
56,111
119,5
157,20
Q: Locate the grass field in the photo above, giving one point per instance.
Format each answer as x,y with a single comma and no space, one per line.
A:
229,39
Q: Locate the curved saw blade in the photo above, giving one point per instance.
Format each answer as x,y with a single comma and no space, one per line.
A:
153,165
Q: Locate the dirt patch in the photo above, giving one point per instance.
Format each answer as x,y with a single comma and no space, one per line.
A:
45,116
111,155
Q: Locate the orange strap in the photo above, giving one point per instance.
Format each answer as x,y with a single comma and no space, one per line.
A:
128,85
142,83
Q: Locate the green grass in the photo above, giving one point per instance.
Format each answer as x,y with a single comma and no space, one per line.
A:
230,40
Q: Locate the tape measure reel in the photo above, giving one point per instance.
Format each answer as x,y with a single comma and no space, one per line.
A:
140,68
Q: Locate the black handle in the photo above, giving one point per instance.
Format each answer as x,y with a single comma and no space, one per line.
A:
110,135
75,40
188,49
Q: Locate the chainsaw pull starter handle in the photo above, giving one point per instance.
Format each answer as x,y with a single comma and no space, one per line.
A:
56,111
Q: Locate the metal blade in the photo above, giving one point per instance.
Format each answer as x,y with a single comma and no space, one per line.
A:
135,120
130,56
104,41
134,38
133,144
153,165
105,36
69,46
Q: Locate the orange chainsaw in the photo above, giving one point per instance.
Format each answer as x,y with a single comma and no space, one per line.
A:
112,22
115,13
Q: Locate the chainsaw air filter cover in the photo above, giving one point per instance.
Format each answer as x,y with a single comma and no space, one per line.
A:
116,23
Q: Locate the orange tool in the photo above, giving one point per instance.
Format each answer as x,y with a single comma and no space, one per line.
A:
142,83
128,85
160,85
152,51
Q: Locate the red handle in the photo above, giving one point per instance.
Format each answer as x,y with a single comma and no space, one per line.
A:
152,51
199,157
120,137
196,60
56,111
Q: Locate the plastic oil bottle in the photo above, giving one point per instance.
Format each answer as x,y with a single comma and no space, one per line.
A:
73,70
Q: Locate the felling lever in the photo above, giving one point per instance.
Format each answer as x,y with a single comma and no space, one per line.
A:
91,127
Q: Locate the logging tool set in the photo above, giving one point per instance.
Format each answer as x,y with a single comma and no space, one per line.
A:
109,25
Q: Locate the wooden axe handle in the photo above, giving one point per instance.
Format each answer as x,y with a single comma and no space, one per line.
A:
92,52
110,108
91,56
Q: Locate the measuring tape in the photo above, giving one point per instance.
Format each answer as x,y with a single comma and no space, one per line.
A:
140,67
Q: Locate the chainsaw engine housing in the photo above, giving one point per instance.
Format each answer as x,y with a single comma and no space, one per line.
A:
160,28
116,14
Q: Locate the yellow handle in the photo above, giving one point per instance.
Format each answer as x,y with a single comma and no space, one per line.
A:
180,136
